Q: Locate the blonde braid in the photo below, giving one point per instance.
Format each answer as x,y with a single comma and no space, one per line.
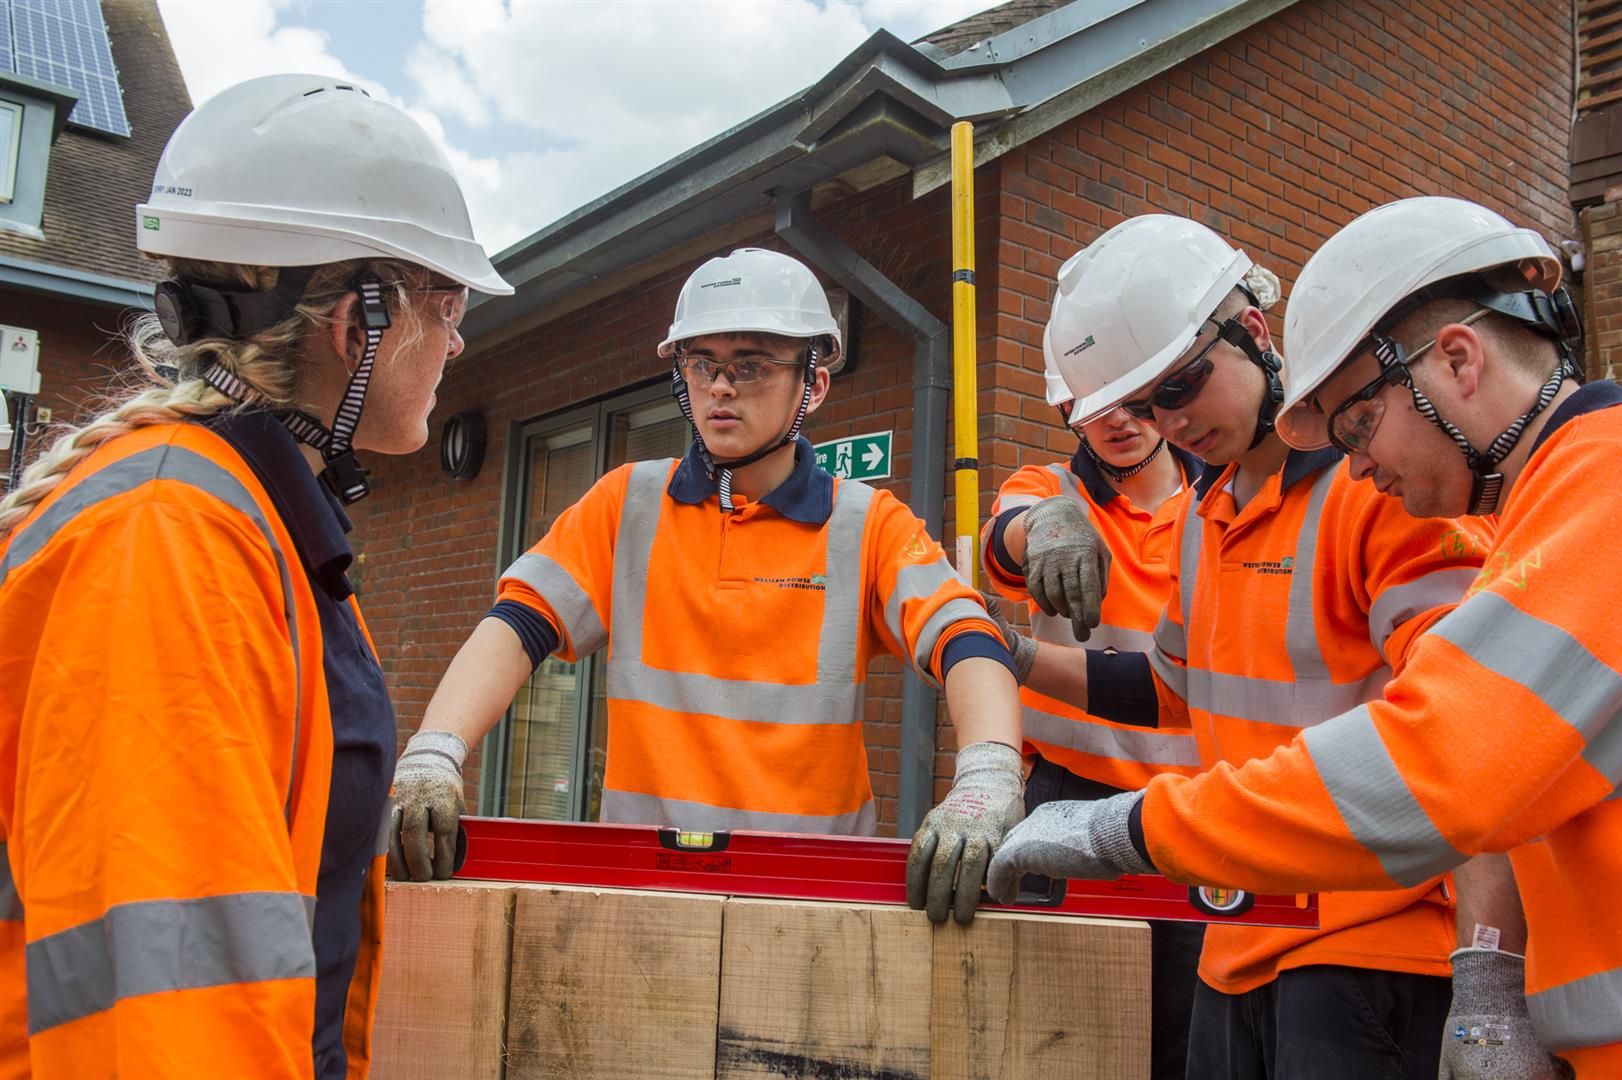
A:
267,362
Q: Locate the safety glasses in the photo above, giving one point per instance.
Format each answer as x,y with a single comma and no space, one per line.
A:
1181,386
1353,423
449,303
702,372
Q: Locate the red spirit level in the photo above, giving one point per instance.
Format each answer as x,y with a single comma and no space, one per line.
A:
799,867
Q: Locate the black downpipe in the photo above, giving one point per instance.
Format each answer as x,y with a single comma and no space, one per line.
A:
931,399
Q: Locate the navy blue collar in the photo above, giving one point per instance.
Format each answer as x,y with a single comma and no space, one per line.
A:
1101,489
313,515
1299,465
807,495
1589,398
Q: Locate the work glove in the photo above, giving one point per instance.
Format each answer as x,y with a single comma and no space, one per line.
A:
1489,1035
1069,840
1023,648
427,807
950,850
1066,564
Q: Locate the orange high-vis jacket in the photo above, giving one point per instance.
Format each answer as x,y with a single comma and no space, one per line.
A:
738,643
165,758
1503,732
1280,616
1120,755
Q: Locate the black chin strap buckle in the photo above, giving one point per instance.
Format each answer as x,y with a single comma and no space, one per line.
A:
345,478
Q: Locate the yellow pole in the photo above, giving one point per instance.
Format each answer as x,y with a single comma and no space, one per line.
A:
964,387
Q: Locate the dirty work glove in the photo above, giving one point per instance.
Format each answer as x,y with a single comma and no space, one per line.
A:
1023,648
427,807
1066,564
1489,1035
1069,840
955,842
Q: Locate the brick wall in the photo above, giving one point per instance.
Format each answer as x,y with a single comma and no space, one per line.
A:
1274,138
1602,286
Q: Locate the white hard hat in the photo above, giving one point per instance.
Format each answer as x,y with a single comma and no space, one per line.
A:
1130,303
1371,266
752,290
303,170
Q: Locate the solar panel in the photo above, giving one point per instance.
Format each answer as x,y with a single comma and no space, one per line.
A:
65,42
6,63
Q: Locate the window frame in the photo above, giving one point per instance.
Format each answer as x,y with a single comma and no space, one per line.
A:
496,757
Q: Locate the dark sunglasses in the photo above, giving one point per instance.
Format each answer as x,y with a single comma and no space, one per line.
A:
1183,385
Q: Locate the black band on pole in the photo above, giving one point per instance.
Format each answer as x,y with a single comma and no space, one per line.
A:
966,463
963,275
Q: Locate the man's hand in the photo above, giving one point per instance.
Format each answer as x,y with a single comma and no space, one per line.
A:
1023,648
1489,1034
427,807
1069,840
950,851
1066,563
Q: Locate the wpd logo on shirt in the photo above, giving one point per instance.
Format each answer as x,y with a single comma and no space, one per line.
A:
814,583
1284,566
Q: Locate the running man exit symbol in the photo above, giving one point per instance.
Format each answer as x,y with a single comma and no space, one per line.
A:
857,457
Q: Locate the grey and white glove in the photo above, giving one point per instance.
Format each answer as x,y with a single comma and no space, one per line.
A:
947,862
1023,648
1489,1034
427,807
1066,563
1069,840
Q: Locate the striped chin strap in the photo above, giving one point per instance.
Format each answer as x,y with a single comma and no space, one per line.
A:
343,474
1131,470
721,471
1486,483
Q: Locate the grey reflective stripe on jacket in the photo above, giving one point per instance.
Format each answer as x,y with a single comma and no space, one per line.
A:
836,697
11,905
154,946
1371,794
1171,640
569,601
1312,696
1578,686
1145,745
1583,1012
182,466
633,808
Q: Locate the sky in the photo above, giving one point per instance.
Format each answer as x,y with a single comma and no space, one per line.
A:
544,105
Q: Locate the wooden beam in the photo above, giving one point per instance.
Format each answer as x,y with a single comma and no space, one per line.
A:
1598,100
813,990
442,1006
1595,60
610,983
1604,78
1599,22
1040,995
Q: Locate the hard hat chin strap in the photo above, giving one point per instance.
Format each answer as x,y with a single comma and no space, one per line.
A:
721,470
342,474
1234,333
1111,471
1486,481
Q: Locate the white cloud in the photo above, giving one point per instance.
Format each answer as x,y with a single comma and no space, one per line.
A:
572,97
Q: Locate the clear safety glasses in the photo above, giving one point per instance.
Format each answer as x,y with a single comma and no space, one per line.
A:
1353,423
450,303
702,372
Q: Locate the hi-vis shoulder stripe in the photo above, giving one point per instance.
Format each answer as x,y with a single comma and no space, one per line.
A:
180,465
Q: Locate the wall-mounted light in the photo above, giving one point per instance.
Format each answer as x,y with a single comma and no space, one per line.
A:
839,303
461,444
